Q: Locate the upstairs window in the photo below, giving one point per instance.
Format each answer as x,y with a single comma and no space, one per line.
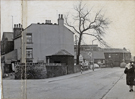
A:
29,37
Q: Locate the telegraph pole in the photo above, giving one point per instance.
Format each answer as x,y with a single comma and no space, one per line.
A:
12,24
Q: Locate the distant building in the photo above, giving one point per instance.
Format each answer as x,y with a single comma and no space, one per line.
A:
116,56
90,53
84,58
99,57
88,48
106,56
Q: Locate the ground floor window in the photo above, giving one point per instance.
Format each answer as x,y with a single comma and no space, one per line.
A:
29,53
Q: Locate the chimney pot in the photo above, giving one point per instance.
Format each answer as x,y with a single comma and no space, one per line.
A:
45,21
19,25
61,16
14,25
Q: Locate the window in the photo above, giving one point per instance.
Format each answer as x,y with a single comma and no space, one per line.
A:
29,38
29,53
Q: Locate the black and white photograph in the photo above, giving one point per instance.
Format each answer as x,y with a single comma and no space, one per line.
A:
77,49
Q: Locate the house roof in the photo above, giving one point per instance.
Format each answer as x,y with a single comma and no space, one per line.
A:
88,55
43,25
63,52
94,45
8,35
11,56
98,55
85,55
115,50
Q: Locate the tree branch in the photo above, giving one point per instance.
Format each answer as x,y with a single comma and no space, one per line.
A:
71,26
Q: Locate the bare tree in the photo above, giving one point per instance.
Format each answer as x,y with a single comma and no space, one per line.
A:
98,24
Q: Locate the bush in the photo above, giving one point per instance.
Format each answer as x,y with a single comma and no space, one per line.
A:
32,72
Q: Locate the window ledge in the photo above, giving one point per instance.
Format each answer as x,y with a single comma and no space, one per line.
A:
29,42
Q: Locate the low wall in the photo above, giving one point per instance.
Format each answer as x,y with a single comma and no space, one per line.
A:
54,71
77,68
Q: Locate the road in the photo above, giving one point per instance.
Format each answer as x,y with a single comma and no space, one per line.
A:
89,85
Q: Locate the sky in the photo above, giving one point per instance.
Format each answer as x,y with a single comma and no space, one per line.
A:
120,32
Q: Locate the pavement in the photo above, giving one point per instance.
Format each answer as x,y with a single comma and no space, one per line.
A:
119,90
70,75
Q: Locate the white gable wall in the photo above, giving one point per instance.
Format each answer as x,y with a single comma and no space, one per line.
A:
49,39
17,45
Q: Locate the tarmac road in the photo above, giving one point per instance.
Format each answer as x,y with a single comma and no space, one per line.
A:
104,83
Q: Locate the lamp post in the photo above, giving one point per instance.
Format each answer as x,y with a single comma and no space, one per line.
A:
92,54
123,55
99,38
109,59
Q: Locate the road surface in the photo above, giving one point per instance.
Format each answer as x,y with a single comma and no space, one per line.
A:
88,85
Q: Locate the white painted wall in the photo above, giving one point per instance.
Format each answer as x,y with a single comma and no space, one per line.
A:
17,45
49,39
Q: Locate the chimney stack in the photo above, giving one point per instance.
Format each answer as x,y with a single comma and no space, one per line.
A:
48,22
60,19
17,30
